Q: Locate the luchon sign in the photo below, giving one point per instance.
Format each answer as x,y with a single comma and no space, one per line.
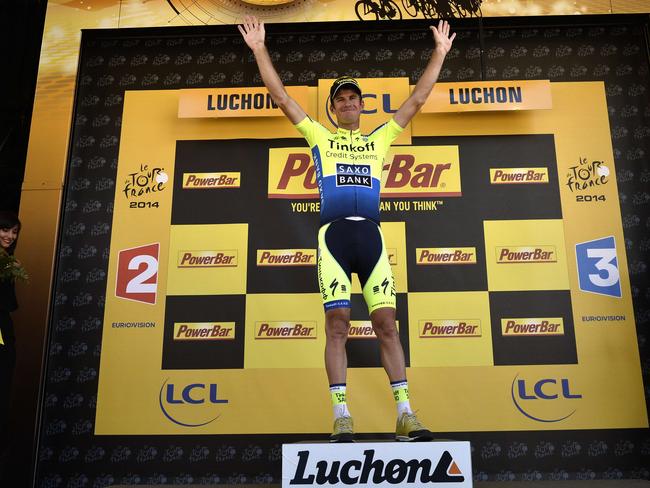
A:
370,464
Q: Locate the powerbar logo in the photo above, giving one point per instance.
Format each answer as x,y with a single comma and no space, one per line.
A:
532,327
414,171
371,472
207,259
362,329
353,175
446,255
449,328
204,181
285,330
518,176
526,254
286,257
204,331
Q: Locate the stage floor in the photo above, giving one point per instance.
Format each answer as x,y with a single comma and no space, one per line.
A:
478,484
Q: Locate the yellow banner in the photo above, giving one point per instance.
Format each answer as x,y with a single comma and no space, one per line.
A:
477,96
235,102
589,265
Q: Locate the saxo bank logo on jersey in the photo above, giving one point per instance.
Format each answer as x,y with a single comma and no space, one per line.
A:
598,270
545,400
190,404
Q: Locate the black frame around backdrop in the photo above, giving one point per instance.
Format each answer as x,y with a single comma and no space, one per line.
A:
609,48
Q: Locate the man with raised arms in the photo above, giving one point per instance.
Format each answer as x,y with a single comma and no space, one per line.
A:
348,172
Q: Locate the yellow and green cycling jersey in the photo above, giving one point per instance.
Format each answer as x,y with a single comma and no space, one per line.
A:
348,168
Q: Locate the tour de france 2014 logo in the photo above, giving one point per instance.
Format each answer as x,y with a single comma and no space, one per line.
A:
587,179
141,187
545,400
190,405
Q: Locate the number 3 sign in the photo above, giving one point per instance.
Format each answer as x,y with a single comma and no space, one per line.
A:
137,273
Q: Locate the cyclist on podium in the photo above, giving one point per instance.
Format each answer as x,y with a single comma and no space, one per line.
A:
348,168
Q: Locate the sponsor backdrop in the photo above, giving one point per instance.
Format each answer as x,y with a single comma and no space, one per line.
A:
212,306
188,332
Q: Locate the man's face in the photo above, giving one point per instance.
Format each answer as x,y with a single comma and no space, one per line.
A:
347,106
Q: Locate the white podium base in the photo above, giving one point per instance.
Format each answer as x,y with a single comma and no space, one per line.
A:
368,464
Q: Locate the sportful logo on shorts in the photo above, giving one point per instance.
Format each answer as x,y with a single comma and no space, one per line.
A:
353,175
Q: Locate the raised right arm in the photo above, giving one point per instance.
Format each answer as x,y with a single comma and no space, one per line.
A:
252,31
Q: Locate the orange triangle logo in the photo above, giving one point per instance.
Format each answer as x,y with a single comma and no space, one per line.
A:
453,468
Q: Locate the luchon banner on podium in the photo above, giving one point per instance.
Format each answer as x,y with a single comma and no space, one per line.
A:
504,233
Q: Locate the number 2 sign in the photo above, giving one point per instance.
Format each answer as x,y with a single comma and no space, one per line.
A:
137,273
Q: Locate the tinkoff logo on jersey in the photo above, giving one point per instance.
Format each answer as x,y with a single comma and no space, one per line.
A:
392,256
285,330
449,328
207,181
445,255
207,259
362,329
518,176
526,254
353,175
286,257
204,331
532,327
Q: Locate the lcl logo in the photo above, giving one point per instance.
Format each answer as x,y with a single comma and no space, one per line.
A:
531,398
194,394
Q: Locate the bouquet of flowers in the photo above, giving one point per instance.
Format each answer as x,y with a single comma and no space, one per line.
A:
10,268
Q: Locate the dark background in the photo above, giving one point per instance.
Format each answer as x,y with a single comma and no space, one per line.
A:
609,48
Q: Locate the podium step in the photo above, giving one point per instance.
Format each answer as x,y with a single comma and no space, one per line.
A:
370,464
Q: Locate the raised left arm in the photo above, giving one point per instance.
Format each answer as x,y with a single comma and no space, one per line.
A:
423,87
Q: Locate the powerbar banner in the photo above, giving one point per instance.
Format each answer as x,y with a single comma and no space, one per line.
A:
504,234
